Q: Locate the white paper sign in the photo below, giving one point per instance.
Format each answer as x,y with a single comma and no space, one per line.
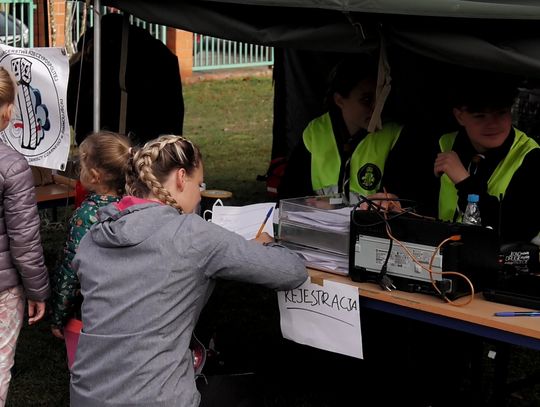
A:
39,127
325,317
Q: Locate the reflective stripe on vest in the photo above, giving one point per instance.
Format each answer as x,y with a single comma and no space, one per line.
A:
367,161
498,181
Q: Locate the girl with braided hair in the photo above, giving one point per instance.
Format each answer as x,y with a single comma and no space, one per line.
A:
146,269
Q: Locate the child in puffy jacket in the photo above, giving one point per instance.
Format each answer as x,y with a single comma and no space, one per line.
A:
23,274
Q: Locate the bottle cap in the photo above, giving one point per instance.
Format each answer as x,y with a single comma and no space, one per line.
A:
473,198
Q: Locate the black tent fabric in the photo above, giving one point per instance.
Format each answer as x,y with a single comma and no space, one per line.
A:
426,41
500,34
299,95
155,103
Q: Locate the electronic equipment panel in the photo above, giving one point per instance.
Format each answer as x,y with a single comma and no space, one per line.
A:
518,283
403,262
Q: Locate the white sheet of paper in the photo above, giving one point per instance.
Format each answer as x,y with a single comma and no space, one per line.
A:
325,317
244,220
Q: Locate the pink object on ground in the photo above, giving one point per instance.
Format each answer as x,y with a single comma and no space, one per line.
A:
71,336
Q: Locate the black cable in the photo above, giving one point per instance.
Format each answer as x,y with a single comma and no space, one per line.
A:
395,215
384,281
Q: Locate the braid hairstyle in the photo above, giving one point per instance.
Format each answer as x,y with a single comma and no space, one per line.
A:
152,164
108,153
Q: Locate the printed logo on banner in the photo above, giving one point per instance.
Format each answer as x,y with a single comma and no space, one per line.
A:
39,127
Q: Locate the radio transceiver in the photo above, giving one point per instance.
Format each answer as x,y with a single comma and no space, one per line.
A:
413,261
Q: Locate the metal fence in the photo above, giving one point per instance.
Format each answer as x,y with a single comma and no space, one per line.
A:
81,17
157,31
209,53
17,23
214,53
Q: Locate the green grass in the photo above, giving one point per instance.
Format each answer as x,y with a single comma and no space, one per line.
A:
231,121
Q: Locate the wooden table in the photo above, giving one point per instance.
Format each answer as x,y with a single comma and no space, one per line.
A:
54,196
475,318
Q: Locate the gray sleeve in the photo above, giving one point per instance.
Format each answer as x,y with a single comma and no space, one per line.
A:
23,224
229,256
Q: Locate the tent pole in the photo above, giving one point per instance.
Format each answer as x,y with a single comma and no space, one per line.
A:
97,66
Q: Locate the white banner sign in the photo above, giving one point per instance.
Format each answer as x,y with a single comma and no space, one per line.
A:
39,127
325,317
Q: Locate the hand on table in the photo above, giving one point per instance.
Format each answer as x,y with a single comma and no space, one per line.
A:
319,203
382,201
264,238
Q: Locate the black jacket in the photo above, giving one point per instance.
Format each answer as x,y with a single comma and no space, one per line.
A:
511,216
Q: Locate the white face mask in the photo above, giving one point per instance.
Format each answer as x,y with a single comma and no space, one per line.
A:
207,214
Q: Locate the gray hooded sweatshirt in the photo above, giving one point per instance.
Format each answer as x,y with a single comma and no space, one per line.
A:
146,272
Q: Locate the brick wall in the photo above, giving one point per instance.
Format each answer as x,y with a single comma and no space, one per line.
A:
181,44
40,25
49,27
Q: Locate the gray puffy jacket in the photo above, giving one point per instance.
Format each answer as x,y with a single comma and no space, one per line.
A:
21,254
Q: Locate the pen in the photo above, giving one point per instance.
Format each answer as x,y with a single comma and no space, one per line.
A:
518,314
264,222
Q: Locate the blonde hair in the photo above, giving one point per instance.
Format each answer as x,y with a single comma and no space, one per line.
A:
107,152
8,87
152,164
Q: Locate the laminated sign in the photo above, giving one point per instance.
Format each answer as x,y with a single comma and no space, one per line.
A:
323,316
39,127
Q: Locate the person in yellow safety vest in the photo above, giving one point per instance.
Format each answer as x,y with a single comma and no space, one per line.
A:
491,158
336,153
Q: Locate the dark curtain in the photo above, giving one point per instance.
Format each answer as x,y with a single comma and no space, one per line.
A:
155,103
300,89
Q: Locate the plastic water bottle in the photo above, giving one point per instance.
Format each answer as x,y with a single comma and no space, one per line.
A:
472,211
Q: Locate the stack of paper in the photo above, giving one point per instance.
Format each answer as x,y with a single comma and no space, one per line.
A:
317,229
331,220
321,259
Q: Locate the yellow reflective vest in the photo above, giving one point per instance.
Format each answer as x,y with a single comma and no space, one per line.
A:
499,180
367,160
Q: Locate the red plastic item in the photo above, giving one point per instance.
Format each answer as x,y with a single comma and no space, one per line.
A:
80,193
72,331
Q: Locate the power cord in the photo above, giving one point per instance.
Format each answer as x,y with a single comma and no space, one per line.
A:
384,281
430,270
